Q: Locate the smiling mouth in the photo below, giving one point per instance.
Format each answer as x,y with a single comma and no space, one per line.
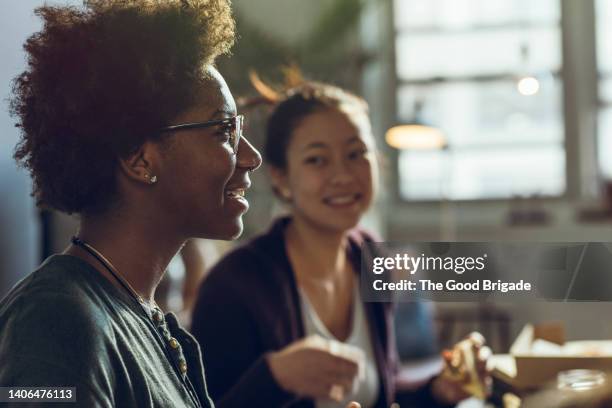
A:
342,200
237,193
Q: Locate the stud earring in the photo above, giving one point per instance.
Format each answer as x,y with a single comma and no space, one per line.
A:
152,179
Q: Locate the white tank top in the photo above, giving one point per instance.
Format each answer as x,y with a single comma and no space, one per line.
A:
366,390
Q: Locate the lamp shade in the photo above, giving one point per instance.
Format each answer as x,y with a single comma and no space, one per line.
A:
415,136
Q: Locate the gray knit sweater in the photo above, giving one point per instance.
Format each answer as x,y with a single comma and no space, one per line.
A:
67,325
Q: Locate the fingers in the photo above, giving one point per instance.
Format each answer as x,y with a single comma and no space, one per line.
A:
328,390
335,388
311,369
336,392
481,352
340,374
338,378
484,372
345,366
466,369
448,391
353,405
484,353
322,391
454,361
338,368
482,360
477,339
334,375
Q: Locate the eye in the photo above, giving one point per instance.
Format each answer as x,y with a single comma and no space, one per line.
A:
315,160
358,154
224,132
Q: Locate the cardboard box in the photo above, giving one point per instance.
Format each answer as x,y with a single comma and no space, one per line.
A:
540,352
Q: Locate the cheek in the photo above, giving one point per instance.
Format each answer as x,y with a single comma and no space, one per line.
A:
199,176
366,174
218,167
306,184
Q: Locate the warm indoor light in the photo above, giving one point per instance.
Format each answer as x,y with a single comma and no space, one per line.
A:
528,86
415,137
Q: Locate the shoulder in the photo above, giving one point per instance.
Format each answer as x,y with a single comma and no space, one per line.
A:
50,317
362,243
359,236
58,271
61,283
363,246
55,339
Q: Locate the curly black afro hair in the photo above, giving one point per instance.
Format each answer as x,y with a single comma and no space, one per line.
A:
100,80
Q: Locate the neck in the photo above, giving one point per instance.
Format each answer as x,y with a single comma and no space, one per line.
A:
324,248
138,250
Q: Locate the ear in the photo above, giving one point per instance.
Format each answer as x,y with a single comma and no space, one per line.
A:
141,165
280,183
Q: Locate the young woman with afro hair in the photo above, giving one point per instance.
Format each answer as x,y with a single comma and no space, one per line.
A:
126,123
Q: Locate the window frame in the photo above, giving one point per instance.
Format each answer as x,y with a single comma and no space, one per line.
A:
578,62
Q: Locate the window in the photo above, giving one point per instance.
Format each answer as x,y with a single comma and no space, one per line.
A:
604,66
461,60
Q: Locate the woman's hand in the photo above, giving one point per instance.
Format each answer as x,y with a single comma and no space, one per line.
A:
464,375
310,371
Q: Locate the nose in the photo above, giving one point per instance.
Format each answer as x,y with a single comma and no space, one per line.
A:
247,156
341,173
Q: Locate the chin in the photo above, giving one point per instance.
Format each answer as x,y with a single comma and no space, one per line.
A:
233,231
225,232
346,226
340,224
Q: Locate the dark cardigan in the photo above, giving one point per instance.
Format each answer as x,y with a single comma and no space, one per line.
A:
249,306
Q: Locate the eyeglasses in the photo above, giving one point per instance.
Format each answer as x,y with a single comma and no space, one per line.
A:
231,126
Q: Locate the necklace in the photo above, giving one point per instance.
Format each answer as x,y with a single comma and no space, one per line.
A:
152,311
115,273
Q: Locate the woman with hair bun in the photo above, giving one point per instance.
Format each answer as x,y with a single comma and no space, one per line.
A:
274,315
126,123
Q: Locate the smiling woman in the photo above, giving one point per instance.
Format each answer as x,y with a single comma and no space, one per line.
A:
205,148
126,123
329,174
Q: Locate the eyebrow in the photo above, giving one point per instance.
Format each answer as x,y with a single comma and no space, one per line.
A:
354,139
315,145
321,145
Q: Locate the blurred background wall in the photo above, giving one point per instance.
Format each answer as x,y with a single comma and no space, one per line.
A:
20,239
521,91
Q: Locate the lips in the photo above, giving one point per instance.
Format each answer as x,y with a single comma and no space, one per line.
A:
235,195
237,189
342,200
238,192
